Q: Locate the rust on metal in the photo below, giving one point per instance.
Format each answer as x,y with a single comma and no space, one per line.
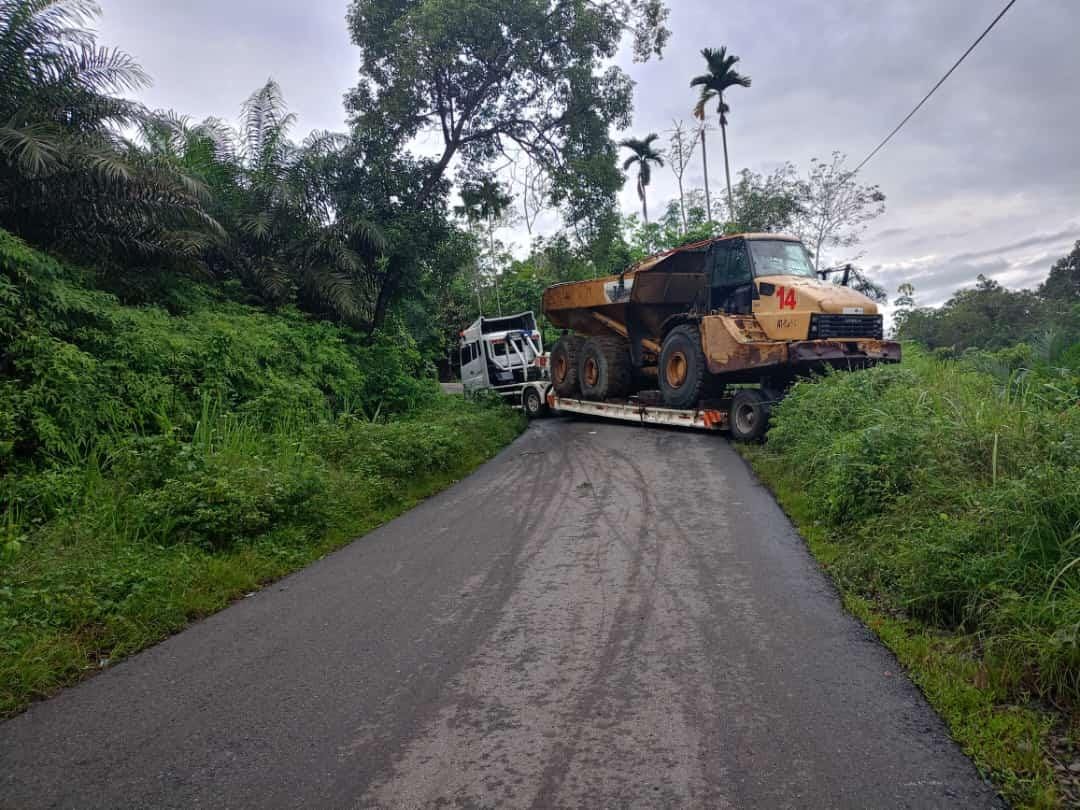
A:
728,346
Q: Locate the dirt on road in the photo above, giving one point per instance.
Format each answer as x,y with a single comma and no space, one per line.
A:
605,616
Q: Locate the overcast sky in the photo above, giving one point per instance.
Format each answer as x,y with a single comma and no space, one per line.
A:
985,179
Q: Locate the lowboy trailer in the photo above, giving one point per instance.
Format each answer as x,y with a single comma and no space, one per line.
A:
641,412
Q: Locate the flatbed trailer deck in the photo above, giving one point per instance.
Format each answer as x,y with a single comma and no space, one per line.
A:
709,416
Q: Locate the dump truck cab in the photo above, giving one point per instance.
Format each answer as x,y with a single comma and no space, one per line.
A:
740,309
773,278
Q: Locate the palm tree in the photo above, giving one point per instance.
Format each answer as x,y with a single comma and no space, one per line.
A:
644,155
285,237
721,76
69,179
288,230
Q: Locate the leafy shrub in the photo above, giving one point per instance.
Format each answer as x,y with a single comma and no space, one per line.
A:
155,464
955,490
80,370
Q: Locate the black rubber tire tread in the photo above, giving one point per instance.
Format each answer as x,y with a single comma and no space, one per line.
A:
530,395
757,399
571,346
686,338
612,356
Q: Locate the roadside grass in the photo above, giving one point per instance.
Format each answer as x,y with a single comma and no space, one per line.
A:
167,531
163,455
944,500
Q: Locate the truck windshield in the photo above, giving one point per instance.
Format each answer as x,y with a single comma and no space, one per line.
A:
776,258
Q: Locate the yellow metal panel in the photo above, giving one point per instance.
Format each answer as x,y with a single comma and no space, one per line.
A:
728,347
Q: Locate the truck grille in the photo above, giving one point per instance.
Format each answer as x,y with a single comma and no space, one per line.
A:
823,327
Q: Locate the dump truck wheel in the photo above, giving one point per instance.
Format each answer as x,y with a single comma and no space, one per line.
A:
682,367
749,416
533,404
564,365
605,369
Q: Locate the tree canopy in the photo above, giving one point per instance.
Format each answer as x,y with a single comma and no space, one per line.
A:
990,316
488,76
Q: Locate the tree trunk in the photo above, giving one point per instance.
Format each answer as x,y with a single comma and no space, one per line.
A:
727,170
705,166
494,269
682,204
644,204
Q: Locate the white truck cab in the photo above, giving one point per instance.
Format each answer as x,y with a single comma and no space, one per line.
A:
506,355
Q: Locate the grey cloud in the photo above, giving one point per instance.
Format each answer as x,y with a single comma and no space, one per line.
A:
890,233
1039,240
937,278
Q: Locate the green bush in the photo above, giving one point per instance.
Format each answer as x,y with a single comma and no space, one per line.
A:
81,371
956,495
156,464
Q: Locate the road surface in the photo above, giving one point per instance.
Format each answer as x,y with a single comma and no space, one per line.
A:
605,616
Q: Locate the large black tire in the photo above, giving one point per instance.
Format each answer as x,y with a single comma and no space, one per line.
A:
749,415
682,372
605,370
533,403
564,365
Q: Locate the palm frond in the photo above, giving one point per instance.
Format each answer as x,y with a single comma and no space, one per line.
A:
707,95
368,233
101,70
333,289
33,149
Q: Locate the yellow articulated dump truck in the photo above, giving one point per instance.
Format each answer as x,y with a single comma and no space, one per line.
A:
709,334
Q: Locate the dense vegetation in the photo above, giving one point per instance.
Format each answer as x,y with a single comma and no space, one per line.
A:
943,495
157,464
989,316
218,345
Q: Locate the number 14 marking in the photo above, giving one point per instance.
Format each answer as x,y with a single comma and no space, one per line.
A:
786,296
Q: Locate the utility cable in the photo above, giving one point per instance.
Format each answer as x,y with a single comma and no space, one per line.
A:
933,90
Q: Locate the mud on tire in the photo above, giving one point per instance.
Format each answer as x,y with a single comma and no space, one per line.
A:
604,368
682,373
564,365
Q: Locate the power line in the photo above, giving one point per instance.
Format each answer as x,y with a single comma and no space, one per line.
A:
933,90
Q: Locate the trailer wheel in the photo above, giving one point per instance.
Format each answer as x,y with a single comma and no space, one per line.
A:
682,367
564,365
532,403
749,416
605,369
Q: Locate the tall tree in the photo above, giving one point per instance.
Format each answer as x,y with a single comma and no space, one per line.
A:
767,203
681,150
1063,283
643,155
721,76
835,210
484,203
488,75
535,187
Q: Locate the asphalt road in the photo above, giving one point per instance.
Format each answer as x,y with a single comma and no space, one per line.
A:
604,616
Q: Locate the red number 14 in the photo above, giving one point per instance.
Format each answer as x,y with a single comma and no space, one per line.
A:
786,296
